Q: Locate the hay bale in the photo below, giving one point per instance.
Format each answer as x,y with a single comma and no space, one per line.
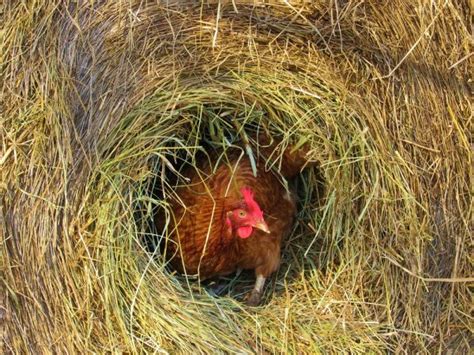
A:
97,98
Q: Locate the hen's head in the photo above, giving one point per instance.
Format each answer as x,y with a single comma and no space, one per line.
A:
247,216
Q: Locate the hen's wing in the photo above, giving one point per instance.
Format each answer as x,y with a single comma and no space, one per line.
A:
200,242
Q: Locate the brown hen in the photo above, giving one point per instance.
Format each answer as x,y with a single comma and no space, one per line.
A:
225,218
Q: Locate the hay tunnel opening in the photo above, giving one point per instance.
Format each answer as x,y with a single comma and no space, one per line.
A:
213,131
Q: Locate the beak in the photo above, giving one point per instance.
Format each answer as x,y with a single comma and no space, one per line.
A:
262,226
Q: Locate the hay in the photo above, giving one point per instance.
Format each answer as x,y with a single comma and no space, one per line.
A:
97,100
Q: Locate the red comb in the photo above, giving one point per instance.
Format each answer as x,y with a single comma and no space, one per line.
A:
252,205
247,193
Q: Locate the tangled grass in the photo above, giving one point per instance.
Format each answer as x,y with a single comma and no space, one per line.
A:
98,99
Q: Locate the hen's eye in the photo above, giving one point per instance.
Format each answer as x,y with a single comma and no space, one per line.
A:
242,214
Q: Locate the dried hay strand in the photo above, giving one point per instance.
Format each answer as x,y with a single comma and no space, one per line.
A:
98,99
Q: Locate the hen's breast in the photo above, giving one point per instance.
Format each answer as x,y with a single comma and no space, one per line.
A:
263,250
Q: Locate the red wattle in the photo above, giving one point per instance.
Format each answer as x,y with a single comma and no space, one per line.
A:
244,232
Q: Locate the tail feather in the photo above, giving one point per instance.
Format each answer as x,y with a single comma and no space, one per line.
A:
293,159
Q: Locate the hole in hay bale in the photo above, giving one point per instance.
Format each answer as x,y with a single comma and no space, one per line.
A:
218,140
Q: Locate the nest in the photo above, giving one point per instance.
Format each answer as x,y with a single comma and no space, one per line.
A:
98,99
